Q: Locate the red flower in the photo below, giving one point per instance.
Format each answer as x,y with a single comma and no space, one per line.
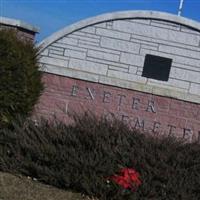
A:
128,178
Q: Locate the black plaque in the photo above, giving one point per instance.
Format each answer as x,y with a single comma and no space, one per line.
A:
157,67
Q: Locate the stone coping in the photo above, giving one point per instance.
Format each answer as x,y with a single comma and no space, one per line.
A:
140,14
18,23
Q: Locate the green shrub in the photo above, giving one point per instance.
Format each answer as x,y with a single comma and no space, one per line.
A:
19,76
82,156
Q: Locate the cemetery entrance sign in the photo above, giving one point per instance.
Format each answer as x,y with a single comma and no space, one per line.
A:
141,66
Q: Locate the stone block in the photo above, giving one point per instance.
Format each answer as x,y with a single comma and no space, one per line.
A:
167,25
113,34
125,84
188,30
139,72
156,42
101,25
71,73
120,45
85,46
126,76
90,35
118,68
194,88
74,54
90,29
179,83
156,32
52,51
187,75
53,61
145,46
68,46
54,69
186,66
174,84
84,38
45,52
132,59
88,66
140,21
107,62
56,48
61,57
103,55
84,42
180,51
67,40
133,69
144,41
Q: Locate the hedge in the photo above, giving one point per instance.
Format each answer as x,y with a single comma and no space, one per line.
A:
85,156
20,77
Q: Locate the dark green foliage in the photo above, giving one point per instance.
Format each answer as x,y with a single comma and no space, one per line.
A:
82,156
19,76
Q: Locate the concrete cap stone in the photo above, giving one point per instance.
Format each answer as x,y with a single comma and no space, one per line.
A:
18,23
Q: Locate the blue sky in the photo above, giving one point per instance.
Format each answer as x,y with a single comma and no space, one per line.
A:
52,15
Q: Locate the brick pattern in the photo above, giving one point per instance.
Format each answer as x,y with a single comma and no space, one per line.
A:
22,33
114,51
147,112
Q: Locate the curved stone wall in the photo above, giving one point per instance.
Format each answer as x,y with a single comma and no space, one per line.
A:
101,63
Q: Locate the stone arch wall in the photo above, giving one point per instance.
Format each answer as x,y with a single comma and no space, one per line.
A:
113,47
97,64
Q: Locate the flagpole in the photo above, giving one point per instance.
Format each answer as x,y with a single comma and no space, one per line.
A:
180,7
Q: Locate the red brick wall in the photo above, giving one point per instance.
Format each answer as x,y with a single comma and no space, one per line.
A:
143,111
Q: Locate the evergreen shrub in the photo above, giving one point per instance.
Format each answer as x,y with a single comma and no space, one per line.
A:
83,156
19,76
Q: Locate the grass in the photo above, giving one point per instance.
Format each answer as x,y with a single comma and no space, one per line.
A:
13,187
